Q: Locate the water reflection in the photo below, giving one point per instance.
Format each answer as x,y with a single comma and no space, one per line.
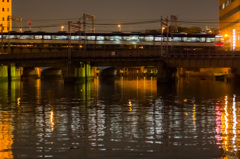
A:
6,137
119,118
227,127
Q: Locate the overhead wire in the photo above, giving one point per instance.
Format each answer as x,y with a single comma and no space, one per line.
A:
144,22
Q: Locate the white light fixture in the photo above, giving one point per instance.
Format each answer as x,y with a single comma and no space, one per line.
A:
234,39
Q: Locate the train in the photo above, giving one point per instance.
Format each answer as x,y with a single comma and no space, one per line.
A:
114,39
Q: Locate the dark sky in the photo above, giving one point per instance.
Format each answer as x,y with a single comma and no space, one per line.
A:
50,12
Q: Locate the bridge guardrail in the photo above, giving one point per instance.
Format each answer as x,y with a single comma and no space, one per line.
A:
122,54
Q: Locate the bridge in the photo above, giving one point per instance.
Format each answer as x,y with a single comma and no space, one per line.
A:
75,55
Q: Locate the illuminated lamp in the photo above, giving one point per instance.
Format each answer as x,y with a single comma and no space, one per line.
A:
234,39
219,44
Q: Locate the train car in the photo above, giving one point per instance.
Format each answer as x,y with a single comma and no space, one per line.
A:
116,40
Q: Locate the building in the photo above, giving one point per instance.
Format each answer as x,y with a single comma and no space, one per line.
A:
5,13
229,22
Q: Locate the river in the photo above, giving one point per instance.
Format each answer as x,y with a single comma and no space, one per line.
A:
121,118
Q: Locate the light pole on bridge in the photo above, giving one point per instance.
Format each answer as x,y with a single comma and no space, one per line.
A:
62,28
69,42
119,27
164,25
1,25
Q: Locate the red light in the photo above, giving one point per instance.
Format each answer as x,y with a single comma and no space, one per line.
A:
29,22
219,44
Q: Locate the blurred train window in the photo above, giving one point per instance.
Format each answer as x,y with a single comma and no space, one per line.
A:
47,37
38,37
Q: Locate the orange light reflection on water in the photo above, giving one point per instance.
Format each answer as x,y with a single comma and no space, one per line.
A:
228,126
52,120
6,137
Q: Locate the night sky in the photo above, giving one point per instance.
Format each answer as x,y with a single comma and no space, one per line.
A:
58,12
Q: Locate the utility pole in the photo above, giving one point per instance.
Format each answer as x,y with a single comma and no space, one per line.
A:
84,30
164,25
80,30
69,42
88,17
9,18
30,25
75,27
167,31
173,25
85,18
15,19
2,38
161,34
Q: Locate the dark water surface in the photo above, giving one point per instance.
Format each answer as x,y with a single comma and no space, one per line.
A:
113,119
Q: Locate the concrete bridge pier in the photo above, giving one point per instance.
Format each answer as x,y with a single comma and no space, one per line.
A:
14,73
165,74
4,72
10,72
78,72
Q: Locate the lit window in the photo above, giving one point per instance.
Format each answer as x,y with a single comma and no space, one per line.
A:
38,37
177,39
149,38
202,39
158,38
90,37
223,6
234,39
75,38
47,37
100,38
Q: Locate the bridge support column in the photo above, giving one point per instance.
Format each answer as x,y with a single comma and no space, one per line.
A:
14,73
165,74
80,72
30,73
3,72
10,72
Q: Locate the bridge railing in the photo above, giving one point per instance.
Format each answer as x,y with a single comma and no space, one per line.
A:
119,53
130,54
91,52
210,52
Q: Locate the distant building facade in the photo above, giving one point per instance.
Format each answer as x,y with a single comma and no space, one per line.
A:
5,12
229,22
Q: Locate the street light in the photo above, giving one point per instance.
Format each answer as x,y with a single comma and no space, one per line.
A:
163,29
234,40
62,28
119,27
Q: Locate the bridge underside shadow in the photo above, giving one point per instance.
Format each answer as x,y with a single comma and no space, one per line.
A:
69,72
